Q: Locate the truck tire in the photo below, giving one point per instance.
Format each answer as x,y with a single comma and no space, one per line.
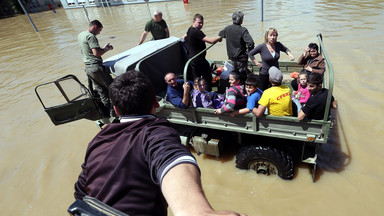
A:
265,160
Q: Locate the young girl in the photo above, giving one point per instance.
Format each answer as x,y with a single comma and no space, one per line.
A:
234,96
302,94
202,98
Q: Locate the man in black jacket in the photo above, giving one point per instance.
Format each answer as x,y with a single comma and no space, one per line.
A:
196,39
239,42
314,108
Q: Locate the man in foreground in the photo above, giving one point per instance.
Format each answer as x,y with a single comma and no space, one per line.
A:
92,52
177,91
139,166
276,98
157,26
314,108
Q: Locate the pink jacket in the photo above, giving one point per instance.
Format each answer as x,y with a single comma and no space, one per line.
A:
304,94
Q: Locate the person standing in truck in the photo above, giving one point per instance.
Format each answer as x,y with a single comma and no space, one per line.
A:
94,68
239,42
270,53
196,40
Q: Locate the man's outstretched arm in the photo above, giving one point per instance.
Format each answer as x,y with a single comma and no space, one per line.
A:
301,115
259,111
212,40
182,189
142,37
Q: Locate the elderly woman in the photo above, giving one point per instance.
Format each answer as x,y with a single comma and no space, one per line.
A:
270,54
312,62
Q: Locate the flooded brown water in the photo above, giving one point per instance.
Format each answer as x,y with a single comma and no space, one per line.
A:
40,162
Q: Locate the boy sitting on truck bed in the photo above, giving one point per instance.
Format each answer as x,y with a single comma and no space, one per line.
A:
276,98
254,95
315,106
234,97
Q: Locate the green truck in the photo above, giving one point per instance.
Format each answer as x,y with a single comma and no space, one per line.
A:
269,145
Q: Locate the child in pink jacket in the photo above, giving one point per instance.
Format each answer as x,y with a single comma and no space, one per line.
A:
302,94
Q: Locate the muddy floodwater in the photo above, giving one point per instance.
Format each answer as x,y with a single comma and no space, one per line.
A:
40,162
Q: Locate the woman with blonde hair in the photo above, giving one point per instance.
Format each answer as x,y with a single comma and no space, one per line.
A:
270,54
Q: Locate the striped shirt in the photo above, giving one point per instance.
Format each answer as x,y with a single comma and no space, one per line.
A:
234,99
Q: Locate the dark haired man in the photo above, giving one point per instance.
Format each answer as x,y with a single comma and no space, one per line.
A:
196,40
139,165
315,106
238,42
91,53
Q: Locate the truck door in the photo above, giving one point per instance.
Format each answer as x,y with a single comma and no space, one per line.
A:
66,100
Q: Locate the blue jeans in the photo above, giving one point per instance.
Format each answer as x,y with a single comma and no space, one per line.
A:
296,104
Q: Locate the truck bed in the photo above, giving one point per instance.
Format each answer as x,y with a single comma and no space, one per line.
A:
156,58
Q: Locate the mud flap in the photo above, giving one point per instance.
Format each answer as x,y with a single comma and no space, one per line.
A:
313,171
212,147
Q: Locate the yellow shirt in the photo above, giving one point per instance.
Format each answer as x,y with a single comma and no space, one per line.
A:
278,100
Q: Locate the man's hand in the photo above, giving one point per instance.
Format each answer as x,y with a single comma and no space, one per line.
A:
212,40
234,113
182,185
185,99
107,47
217,111
100,51
308,69
186,87
259,111
142,37
334,104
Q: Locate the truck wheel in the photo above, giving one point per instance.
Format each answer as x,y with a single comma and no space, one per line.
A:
265,160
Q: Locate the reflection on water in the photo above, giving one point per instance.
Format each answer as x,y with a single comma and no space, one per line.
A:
331,156
40,162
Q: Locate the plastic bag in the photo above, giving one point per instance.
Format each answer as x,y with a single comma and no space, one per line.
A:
226,69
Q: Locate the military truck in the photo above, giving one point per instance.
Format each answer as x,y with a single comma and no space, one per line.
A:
269,145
